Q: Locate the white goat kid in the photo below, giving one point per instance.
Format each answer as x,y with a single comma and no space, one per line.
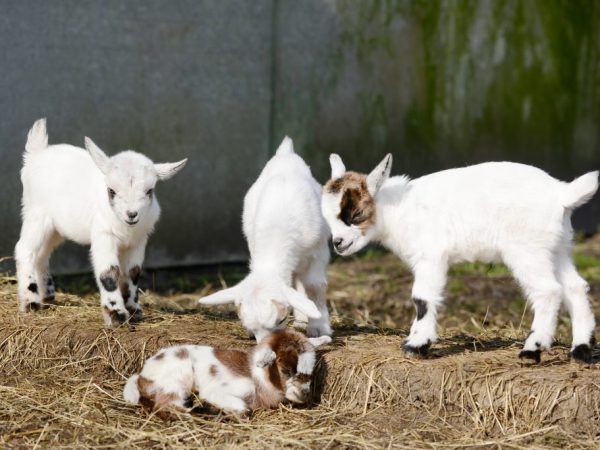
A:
88,198
287,238
279,368
489,212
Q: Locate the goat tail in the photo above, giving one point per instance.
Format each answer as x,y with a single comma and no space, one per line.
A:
580,190
286,147
131,392
37,139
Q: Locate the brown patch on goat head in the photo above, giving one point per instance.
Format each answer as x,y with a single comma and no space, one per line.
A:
213,370
182,353
287,345
236,361
357,206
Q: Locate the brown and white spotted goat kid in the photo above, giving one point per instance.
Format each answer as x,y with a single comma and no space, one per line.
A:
278,369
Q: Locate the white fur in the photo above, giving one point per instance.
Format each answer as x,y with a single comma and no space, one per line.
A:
287,238
65,196
203,373
490,212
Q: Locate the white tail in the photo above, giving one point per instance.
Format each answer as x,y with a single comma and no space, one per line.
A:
37,139
286,147
131,392
580,190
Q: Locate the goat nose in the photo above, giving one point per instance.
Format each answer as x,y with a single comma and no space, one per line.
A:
132,214
337,242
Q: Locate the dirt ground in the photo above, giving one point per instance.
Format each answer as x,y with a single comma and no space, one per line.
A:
62,372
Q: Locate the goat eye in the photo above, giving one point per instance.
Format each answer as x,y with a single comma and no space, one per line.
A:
357,217
149,192
111,193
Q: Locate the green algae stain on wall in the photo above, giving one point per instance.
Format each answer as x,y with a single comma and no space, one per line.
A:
445,83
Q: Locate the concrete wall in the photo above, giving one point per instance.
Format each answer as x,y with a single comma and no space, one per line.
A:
183,78
438,84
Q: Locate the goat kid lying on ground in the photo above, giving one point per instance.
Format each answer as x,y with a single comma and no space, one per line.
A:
88,198
489,212
287,238
279,368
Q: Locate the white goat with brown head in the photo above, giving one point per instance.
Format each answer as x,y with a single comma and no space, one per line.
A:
492,212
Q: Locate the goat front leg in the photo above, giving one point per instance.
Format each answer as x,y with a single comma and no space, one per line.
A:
430,279
314,281
132,270
108,274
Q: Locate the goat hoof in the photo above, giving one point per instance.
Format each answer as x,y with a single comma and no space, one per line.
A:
582,353
534,355
118,317
421,351
136,314
33,307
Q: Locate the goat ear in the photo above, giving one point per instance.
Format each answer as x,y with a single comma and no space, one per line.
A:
337,166
98,156
379,174
168,170
301,303
222,297
318,341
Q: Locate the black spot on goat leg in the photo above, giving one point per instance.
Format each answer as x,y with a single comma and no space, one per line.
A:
421,306
134,274
32,288
110,278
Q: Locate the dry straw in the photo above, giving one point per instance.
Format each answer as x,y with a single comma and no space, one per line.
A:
62,372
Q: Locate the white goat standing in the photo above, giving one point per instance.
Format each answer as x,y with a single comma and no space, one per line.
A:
287,238
279,368
490,212
88,198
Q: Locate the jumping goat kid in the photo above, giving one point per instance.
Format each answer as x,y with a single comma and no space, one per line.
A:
89,198
490,212
279,368
288,242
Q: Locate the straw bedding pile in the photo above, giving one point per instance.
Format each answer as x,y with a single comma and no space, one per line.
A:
62,373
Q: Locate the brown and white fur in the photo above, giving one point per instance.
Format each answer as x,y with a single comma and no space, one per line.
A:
279,368
491,212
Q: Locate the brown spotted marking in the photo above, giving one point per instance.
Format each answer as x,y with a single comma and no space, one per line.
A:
157,400
124,288
134,274
357,206
182,353
237,361
160,356
213,370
